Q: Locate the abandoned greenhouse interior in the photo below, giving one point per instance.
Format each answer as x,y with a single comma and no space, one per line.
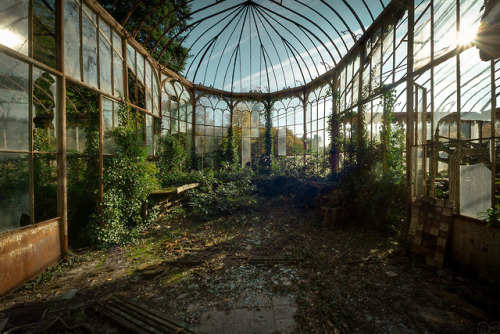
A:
258,166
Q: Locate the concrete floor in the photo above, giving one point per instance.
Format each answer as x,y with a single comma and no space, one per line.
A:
266,316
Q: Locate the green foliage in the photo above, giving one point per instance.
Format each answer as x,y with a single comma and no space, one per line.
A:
369,196
129,178
158,15
492,215
83,180
227,191
228,152
267,159
14,180
393,139
172,157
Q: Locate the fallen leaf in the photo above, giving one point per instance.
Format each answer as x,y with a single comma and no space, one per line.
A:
219,267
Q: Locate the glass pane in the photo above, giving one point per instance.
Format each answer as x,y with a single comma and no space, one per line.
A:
105,60
401,48
165,125
108,125
475,87
82,121
445,26
156,95
14,104
445,101
149,134
255,123
89,45
131,57
418,186
44,111
140,67
14,197
44,32
14,25
475,178
282,141
45,183
422,36
246,151
377,120
388,54
117,74
117,43
72,38
83,189
148,77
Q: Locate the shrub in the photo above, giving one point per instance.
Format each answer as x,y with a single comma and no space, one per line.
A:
228,190
172,157
128,180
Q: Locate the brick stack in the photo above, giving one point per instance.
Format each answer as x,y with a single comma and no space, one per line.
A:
430,229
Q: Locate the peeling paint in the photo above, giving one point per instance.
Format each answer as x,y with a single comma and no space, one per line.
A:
26,252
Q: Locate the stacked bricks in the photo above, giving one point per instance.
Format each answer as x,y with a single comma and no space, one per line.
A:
430,229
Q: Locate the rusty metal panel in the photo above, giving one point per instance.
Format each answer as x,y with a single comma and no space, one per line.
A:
477,247
26,252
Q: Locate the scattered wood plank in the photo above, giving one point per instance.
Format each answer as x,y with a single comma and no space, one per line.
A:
157,316
266,259
120,321
166,192
460,302
160,275
3,323
187,187
364,260
152,324
202,275
141,319
184,262
189,249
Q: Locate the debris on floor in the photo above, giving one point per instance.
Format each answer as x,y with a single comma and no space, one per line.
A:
274,270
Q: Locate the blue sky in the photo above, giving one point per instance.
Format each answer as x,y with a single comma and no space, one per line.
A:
269,46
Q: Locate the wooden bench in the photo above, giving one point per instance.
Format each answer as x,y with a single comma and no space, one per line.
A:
169,197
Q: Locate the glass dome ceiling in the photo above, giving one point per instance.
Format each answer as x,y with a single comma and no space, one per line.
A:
267,45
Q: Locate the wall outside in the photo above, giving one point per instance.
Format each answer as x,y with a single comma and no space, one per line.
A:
475,246
26,252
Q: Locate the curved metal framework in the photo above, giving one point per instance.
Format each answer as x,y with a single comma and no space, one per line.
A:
257,45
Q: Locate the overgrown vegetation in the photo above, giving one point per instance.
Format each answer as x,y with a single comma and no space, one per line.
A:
228,152
172,159
267,159
149,26
83,180
128,180
373,194
492,215
366,184
226,191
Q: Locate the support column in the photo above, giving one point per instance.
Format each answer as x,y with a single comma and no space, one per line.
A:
409,114
493,153
62,195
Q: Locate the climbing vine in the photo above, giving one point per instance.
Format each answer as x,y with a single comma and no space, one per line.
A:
267,158
128,180
393,138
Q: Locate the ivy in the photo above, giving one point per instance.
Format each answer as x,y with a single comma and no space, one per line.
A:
128,180
393,139
172,157
228,152
267,159
363,187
